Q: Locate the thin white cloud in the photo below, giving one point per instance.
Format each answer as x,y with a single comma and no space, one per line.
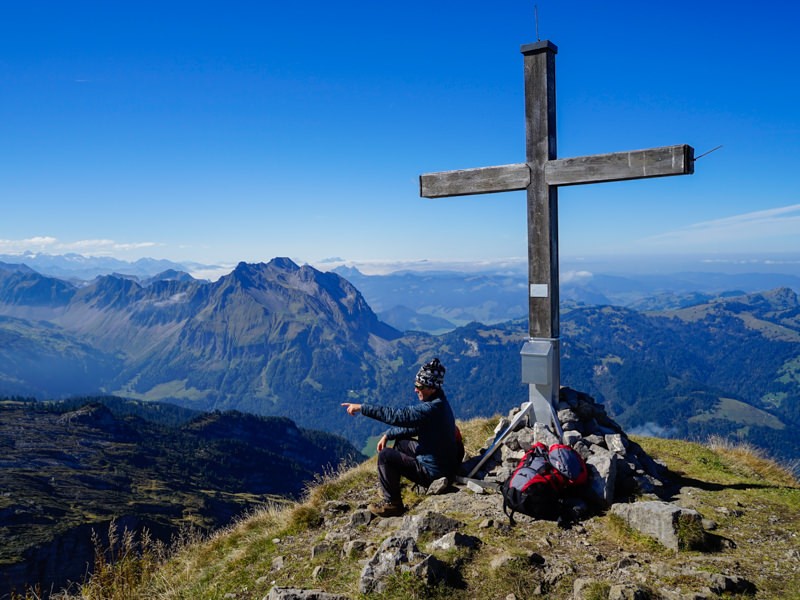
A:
38,243
574,276
775,224
54,245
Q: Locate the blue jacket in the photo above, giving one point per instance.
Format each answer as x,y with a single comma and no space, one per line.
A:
433,425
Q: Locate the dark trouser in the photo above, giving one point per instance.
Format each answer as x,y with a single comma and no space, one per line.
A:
397,462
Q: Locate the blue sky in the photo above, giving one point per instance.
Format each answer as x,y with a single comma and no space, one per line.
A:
218,132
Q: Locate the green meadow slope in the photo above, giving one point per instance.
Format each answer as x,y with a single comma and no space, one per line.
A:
751,506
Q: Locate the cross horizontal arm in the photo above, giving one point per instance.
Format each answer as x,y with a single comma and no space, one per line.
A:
484,180
619,166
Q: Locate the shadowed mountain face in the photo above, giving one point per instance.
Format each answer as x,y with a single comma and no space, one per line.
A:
286,340
271,338
66,469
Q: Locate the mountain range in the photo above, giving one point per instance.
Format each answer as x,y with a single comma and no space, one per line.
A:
70,468
439,301
76,267
281,339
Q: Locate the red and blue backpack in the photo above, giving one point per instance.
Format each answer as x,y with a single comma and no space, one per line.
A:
542,477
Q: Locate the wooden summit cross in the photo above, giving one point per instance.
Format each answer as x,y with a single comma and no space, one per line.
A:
541,176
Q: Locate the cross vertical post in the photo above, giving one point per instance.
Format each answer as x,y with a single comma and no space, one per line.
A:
543,290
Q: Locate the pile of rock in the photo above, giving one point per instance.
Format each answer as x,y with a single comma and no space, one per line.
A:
618,467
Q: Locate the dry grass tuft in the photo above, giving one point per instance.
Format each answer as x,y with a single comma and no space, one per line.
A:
755,460
475,433
122,566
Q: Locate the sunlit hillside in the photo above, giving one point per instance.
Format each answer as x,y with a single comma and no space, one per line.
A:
750,506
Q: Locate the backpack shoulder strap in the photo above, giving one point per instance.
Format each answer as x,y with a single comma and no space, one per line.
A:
509,511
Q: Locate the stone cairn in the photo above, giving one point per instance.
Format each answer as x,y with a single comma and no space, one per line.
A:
618,467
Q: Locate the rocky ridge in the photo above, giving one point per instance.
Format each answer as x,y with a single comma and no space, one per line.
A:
663,550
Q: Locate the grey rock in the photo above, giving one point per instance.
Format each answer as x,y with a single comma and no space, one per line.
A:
510,456
616,443
572,437
337,536
501,560
399,553
566,416
438,486
361,517
525,437
728,584
278,563
419,489
583,448
335,506
647,484
353,547
453,540
393,552
322,548
501,426
555,572
660,520
595,440
474,487
730,512
430,569
502,473
627,592
437,524
282,593
602,477
519,440
625,562
511,441
585,410
542,433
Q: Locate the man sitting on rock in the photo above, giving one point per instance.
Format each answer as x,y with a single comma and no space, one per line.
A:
437,450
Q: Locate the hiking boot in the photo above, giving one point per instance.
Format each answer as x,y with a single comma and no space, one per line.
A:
387,509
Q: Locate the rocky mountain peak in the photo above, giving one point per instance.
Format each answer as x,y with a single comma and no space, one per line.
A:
283,263
15,267
254,274
170,275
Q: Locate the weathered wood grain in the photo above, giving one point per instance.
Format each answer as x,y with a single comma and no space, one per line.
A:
485,180
620,166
